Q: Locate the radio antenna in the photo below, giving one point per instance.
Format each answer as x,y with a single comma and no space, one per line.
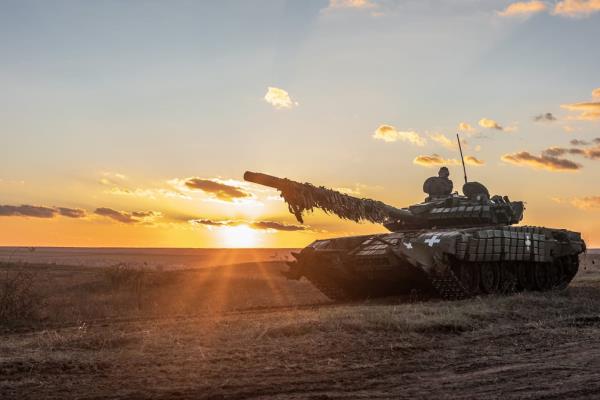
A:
461,157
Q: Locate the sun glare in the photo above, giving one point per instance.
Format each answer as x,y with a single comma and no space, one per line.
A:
239,236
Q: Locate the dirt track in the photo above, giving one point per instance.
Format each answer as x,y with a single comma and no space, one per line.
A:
523,346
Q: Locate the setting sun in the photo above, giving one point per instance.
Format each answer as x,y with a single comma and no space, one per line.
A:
239,236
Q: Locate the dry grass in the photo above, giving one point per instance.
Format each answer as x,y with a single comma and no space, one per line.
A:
19,299
38,296
243,332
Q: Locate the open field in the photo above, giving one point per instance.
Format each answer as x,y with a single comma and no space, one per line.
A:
242,331
142,257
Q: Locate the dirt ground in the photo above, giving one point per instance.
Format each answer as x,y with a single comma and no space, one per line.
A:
245,332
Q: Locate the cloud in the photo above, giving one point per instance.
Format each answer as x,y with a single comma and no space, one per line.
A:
586,203
217,189
278,226
490,124
259,225
471,160
444,141
465,127
71,212
333,4
544,161
388,133
523,9
587,110
596,93
578,142
435,160
110,178
546,117
26,210
560,151
592,152
147,193
134,217
279,98
357,190
576,8
145,214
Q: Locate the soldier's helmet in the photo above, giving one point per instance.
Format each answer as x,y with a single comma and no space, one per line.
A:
443,172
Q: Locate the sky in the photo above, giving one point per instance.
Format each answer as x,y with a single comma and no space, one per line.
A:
131,123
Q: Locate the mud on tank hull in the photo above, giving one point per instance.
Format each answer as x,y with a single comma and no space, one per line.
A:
448,263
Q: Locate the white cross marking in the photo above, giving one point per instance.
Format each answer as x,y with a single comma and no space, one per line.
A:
432,240
407,245
527,242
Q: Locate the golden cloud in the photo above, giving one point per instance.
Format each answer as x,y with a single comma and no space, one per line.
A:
586,203
465,127
435,160
444,141
587,110
523,9
147,193
214,187
490,124
576,8
596,92
547,162
474,161
279,98
259,225
388,133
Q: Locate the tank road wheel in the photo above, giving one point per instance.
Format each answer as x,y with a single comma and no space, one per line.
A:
554,275
468,275
542,276
524,271
328,286
489,278
557,274
508,278
560,274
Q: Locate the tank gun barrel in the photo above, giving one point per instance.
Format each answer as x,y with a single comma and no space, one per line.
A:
302,197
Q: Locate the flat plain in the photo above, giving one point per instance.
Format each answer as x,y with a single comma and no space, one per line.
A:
244,331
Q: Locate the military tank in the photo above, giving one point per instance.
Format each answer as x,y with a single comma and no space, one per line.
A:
451,246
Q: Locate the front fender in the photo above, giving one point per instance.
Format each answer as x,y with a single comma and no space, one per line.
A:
428,250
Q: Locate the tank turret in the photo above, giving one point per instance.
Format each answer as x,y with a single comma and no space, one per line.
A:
475,208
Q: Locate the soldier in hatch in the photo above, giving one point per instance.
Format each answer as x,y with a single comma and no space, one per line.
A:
438,186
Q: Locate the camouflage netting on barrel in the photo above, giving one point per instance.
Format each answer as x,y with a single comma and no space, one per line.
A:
303,197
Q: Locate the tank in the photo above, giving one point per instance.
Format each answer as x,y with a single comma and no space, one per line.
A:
450,246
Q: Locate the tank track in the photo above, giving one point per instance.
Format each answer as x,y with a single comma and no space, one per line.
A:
506,277
329,287
449,286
